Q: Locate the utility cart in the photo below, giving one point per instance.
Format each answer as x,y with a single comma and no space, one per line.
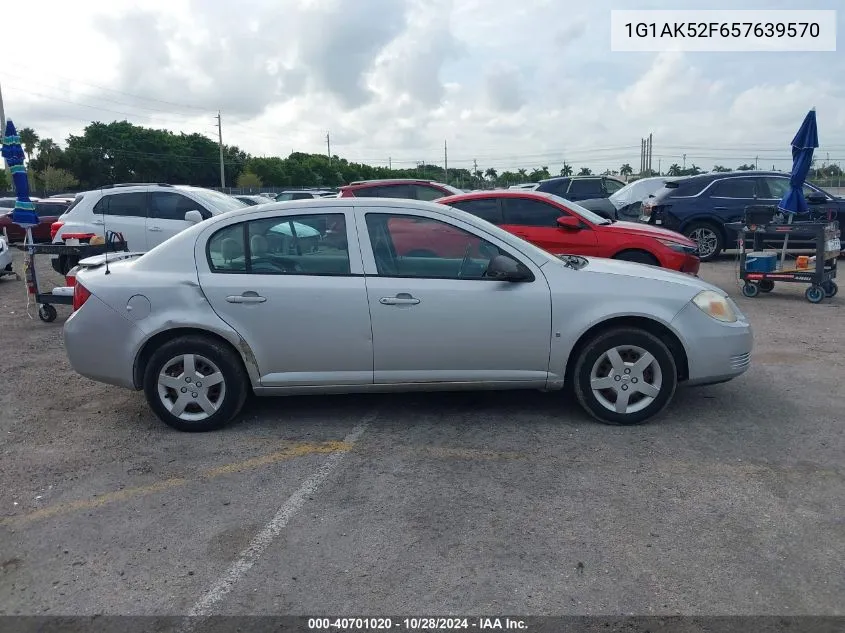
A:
72,252
760,268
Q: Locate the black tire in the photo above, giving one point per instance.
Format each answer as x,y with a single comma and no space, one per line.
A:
830,289
47,313
766,285
638,257
595,349
815,294
235,381
715,242
750,290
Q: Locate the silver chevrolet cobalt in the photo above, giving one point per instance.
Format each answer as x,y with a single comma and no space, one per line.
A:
352,295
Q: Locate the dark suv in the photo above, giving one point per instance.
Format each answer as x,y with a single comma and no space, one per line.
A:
577,188
700,206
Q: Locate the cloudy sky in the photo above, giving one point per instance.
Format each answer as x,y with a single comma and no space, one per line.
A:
509,84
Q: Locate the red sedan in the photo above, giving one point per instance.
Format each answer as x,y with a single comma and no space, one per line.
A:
48,212
563,227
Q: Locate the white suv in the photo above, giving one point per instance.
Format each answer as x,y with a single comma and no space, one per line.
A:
145,214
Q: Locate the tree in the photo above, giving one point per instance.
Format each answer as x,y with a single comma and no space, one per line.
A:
5,180
54,179
29,141
585,171
674,170
491,174
566,170
745,168
721,169
248,180
626,170
523,174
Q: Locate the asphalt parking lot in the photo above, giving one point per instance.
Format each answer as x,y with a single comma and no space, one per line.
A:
477,504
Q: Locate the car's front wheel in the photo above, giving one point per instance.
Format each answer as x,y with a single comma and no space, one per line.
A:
194,383
625,376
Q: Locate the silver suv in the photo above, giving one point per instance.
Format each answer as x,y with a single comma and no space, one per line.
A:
145,214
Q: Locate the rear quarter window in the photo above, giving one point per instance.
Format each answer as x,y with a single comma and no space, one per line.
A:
688,188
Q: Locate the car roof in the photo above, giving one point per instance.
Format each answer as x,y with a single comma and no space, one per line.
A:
728,174
498,193
393,181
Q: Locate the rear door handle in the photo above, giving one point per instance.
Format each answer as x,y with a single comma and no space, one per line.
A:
402,299
720,208
250,296
98,222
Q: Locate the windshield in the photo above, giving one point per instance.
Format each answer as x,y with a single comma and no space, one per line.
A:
218,201
584,213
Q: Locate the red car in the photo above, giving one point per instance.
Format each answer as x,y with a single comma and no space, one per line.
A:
563,227
398,188
48,212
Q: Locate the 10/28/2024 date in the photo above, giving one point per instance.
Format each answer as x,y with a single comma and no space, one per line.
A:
414,624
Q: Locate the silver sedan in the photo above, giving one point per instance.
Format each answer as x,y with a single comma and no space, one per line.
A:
354,295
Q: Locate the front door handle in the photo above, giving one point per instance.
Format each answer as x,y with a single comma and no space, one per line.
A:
402,299
250,296
720,208
155,228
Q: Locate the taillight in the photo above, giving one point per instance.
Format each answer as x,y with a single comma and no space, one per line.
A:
80,296
54,228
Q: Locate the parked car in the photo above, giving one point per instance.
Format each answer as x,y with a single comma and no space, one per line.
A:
622,335
253,200
5,258
48,211
626,203
407,188
577,188
145,214
701,206
525,185
304,194
563,227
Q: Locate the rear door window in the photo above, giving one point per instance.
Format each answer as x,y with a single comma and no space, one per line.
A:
165,205
484,208
425,192
386,191
128,205
734,188
584,189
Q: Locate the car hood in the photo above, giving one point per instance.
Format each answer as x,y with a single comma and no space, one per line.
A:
621,269
647,230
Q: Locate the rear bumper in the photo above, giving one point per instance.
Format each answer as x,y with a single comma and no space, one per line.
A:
101,344
716,351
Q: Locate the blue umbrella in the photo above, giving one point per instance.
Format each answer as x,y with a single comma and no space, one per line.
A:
805,141
24,212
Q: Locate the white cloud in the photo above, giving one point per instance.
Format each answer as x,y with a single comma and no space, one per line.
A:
395,78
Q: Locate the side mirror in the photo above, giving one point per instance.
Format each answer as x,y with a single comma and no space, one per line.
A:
503,268
570,223
193,216
816,198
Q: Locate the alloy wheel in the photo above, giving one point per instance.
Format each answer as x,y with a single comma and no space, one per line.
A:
626,379
707,241
191,387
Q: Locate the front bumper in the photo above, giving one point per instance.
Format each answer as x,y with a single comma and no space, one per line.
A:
716,351
101,344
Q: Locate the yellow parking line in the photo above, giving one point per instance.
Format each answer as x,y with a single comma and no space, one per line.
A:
300,449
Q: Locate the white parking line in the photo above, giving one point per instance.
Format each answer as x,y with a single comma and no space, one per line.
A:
249,556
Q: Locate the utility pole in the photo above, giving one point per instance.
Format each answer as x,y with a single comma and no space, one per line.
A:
659,169
475,168
642,156
685,163
389,163
220,144
3,128
329,147
649,153
756,158
445,163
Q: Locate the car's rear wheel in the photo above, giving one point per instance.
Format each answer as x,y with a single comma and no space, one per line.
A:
708,239
194,383
625,376
639,257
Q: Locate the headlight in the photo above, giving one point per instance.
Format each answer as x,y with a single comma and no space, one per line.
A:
715,305
677,246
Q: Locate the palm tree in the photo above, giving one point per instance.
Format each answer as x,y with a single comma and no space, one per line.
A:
29,140
567,170
585,171
626,170
522,174
674,170
491,174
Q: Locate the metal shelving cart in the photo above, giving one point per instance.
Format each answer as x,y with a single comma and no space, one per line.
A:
823,236
74,253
